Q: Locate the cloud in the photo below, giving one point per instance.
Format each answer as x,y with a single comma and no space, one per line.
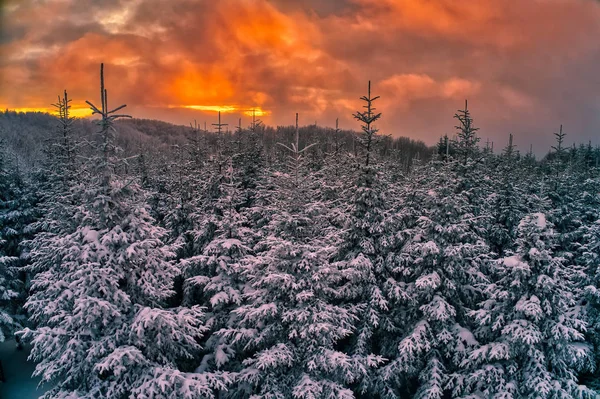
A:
526,67
402,90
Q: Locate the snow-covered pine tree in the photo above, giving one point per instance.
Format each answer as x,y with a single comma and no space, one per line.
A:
295,163
588,256
362,246
63,149
435,270
56,180
10,286
563,193
508,200
59,172
182,200
467,139
531,331
213,278
192,189
288,331
338,169
251,163
586,246
100,329
281,340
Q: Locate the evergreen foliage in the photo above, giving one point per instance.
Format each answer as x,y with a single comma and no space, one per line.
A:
297,261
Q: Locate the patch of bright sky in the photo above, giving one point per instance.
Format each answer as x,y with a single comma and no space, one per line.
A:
33,52
116,20
257,111
79,112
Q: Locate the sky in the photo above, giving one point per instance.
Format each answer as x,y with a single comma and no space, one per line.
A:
526,66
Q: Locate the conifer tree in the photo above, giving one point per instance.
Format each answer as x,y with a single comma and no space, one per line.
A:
250,161
532,333
435,271
59,173
362,246
289,327
509,202
9,283
559,149
295,160
213,278
467,139
369,138
100,328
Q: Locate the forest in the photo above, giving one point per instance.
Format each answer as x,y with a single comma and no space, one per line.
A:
146,260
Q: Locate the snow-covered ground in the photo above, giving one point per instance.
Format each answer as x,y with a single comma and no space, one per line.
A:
17,370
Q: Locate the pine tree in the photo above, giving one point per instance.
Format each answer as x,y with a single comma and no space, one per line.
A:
467,139
362,247
288,330
213,278
586,245
57,176
435,271
18,211
9,284
251,163
559,150
436,266
281,341
295,163
369,138
100,328
508,200
531,331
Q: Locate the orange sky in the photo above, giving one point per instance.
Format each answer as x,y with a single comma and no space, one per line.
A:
526,66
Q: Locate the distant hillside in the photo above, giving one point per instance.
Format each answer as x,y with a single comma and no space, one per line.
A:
26,133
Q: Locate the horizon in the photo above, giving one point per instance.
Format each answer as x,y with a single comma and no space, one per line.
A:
525,70
496,148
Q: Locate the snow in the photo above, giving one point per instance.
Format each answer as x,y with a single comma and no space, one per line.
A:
466,335
290,289
514,261
538,218
90,235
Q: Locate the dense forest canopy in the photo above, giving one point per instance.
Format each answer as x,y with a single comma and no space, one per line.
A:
146,260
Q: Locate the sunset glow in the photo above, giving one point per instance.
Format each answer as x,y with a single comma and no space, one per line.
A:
73,112
190,59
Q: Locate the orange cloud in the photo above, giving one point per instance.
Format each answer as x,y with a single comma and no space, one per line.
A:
401,90
186,58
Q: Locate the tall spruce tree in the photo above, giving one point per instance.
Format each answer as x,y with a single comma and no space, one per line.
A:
436,269
100,328
362,246
532,333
